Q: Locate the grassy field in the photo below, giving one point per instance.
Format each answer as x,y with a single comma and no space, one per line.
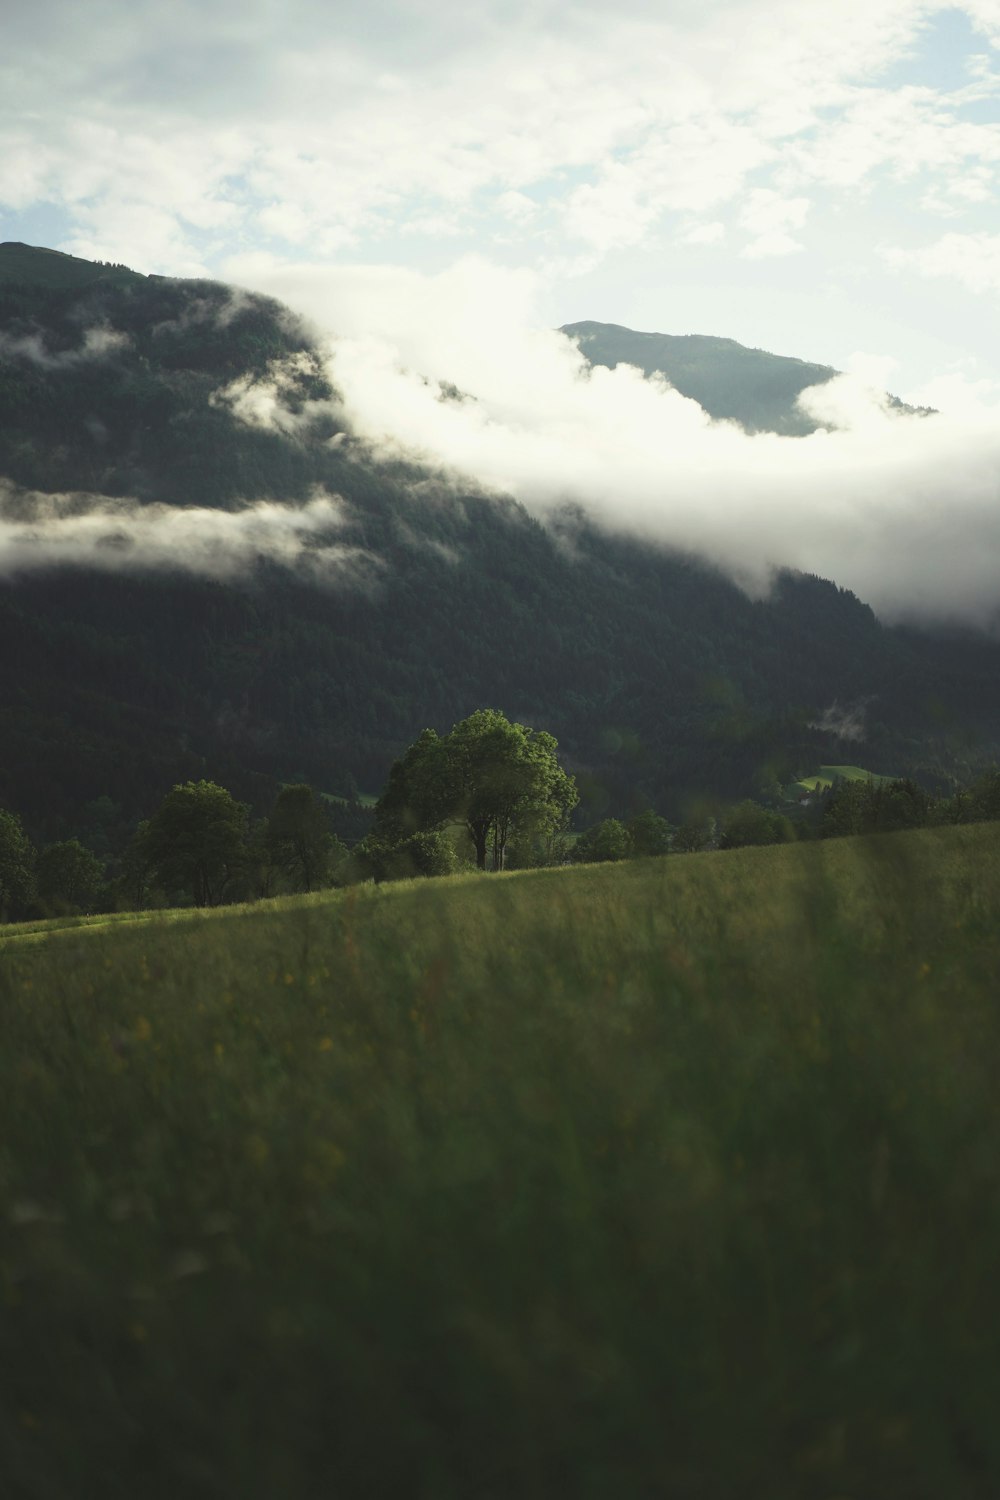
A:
825,776
679,1178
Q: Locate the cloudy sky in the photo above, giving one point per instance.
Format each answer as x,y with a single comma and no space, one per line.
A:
439,183
813,178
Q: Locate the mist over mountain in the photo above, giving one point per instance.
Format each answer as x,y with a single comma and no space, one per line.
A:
729,381
206,568
895,503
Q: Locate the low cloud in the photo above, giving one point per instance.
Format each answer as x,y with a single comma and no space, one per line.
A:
901,508
39,531
98,343
274,401
846,721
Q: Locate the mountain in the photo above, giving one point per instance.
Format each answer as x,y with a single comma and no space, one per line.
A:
33,265
730,381
250,596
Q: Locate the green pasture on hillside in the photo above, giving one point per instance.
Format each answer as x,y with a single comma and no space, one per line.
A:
675,1178
364,799
827,775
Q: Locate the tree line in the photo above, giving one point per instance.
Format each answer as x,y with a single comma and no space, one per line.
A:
489,795
845,807
200,847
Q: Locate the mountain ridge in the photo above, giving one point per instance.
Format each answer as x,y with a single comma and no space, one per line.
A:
661,679
730,381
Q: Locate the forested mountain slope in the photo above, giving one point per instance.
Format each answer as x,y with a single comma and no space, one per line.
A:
120,401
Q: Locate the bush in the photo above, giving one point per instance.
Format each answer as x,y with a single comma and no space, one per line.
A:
605,842
429,853
750,824
648,834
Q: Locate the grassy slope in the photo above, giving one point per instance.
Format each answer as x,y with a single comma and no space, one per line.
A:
676,1178
826,775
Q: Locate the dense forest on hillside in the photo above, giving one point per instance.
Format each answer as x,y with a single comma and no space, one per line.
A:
660,678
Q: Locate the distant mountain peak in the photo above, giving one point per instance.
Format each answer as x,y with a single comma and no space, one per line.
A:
728,380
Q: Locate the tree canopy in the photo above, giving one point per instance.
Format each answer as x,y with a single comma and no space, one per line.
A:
490,774
196,840
69,877
299,838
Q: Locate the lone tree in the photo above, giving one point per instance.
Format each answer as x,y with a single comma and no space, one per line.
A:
196,840
489,774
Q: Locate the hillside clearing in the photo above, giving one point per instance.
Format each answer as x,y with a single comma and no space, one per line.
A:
825,776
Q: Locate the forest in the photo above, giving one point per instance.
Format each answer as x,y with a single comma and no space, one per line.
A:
664,683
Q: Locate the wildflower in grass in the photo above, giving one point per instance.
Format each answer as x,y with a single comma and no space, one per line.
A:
325,1044
289,978
142,1030
219,1049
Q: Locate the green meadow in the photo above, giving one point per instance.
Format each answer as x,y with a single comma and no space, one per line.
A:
674,1178
824,777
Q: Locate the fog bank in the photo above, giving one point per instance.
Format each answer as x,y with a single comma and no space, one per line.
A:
41,531
902,509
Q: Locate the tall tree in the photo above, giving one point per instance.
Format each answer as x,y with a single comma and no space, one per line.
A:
196,840
488,773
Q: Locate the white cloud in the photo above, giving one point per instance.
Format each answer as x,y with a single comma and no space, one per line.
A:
712,232
98,343
771,220
42,531
901,509
188,138
972,259
307,129
957,391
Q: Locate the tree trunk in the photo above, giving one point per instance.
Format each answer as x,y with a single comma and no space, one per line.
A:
480,832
